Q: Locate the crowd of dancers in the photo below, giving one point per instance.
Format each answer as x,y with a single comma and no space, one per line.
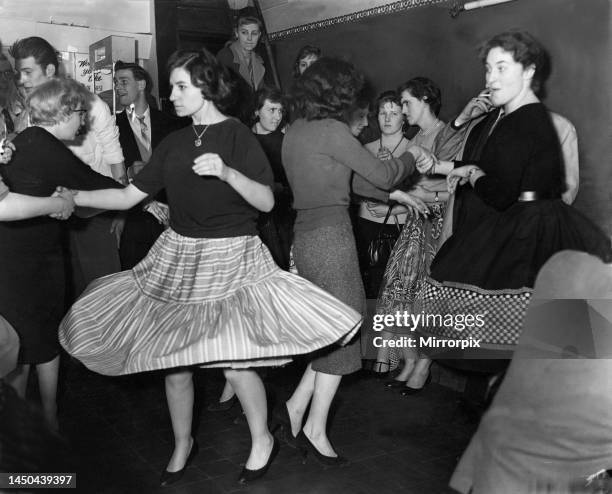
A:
220,215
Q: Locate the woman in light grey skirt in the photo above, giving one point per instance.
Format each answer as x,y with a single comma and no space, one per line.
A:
320,154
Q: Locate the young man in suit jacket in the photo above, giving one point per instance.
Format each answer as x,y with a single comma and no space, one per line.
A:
141,128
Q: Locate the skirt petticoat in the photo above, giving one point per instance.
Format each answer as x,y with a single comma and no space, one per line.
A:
219,302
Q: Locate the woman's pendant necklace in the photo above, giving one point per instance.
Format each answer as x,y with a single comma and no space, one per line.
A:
396,146
198,139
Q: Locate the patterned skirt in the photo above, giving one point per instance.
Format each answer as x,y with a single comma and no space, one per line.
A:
409,263
482,277
219,302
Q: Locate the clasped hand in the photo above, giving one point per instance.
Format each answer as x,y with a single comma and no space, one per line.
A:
211,164
67,198
425,160
459,176
8,148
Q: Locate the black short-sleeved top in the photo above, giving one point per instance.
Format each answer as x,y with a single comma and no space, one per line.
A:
205,206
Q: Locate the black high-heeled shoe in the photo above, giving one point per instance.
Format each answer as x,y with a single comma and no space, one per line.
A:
394,384
282,416
408,391
168,478
250,475
327,461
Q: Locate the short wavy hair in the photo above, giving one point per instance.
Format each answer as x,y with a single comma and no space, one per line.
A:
525,50
426,90
388,97
206,73
139,73
330,88
305,51
264,93
53,101
40,49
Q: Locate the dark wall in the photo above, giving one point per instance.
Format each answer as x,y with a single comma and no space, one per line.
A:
425,41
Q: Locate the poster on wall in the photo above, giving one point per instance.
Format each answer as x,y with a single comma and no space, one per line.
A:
76,66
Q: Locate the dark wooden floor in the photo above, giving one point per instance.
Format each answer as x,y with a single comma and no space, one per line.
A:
119,430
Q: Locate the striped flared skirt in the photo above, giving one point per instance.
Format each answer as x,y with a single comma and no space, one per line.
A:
219,302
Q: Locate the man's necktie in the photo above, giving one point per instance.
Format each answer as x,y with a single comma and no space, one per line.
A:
143,129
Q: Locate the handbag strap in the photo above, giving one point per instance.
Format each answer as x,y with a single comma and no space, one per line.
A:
382,226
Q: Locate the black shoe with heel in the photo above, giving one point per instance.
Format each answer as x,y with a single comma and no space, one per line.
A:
168,478
327,461
394,384
250,475
408,391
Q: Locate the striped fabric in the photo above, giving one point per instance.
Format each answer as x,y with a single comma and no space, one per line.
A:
219,302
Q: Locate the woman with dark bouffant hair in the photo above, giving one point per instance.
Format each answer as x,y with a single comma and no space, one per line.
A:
320,154
208,293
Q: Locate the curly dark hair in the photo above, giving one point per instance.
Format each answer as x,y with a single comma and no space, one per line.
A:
525,50
330,88
305,51
426,90
264,93
206,73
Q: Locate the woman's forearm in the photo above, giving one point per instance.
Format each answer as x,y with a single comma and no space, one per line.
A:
16,207
120,199
257,195
442,168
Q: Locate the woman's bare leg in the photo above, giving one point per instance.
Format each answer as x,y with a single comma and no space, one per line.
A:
179,394
298,403
252,395
47,383
315,428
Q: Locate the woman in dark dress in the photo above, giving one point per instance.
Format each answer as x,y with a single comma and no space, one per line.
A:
15,207
208,292
509,217
275,227
32,257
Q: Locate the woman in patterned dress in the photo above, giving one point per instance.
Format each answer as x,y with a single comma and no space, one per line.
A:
412,255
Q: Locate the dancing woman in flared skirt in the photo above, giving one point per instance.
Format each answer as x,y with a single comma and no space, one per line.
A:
208,293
